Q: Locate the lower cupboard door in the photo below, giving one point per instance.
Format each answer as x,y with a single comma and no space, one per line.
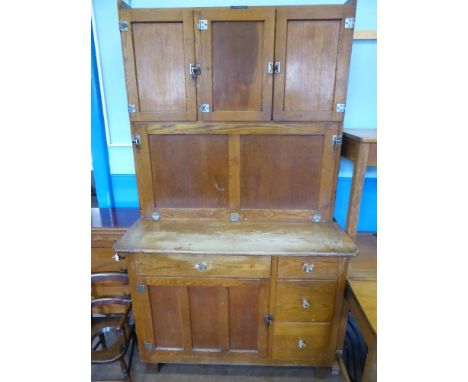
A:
219,318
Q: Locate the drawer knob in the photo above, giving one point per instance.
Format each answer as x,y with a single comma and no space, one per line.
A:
201,266
118,257
301,344
305,303
308,268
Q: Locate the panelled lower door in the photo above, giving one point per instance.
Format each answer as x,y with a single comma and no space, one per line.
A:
196,317
236,49
158,48
313,49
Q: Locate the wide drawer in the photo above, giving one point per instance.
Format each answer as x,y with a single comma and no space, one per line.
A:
202,265
301,341
315,268
305,300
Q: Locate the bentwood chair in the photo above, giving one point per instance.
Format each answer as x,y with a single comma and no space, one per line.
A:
112,325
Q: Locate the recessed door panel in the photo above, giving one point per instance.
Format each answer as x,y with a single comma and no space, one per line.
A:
236,49
190,171
280,171
313,48
158,47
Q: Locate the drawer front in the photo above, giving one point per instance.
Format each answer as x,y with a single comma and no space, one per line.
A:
305,300
301,341
202,265
105,238
102,260
313,268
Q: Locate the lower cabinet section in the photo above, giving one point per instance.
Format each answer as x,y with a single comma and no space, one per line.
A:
211,314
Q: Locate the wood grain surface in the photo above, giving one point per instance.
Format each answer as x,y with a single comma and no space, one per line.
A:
240,238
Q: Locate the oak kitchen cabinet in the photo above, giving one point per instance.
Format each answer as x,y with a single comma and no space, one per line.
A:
222,64
236,119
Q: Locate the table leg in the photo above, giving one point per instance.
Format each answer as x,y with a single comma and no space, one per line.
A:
359,172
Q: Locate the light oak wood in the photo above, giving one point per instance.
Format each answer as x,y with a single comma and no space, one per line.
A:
314,50
318,296
360,146
365,35
245,238
216,266
236,50
288,334
322,268
364,266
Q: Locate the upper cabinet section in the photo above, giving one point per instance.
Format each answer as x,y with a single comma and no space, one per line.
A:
312,48
233,65
158,47
236,47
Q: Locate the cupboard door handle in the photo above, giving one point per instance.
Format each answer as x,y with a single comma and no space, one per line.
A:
305,303
308,268
301,344
201,266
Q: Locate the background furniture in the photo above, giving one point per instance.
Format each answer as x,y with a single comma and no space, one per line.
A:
361,301
112,330
360,146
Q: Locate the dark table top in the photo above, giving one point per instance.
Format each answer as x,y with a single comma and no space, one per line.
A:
114,217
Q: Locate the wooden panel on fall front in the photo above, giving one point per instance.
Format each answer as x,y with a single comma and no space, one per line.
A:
190,171
280,171
313,48
158,49
236,50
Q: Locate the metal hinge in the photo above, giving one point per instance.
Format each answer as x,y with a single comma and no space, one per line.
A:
202,25
131,108
349,22
274,67
337,140
268,319
136,140
194,70
340,107
140,288
205,108
123,25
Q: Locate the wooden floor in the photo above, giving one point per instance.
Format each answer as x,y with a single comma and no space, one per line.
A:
210,373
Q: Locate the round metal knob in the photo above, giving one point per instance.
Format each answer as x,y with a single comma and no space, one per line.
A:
301,344
201,266
118,257
155,216
308,268
305,303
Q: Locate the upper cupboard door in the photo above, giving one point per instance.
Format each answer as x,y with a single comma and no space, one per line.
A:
313,49
158,48
236,49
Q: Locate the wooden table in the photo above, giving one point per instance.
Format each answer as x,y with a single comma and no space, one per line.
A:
361,301
360,146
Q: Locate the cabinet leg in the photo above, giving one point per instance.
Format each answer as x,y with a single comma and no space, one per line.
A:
152,368
323,372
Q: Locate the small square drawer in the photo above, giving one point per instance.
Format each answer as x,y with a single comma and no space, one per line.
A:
315,268
305,300
202,265
301,341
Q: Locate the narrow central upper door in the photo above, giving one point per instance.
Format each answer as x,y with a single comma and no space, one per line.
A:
237,48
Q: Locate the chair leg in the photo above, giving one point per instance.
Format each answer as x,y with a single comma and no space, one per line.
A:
125,370
102,341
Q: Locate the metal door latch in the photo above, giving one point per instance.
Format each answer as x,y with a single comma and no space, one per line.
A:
337,140
136,140
194,70
268,319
